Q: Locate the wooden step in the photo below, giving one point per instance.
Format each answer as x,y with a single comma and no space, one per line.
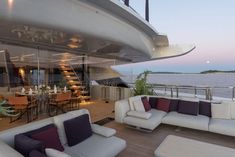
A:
77,87
68,73
71,77
71,82
68,69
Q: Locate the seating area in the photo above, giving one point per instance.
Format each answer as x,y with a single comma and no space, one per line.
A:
68,135
146,113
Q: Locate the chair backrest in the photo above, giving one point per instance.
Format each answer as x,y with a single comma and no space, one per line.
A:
23,100
63,96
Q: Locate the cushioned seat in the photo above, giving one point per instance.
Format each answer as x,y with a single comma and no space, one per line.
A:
222,126
150,123
198,122
93,146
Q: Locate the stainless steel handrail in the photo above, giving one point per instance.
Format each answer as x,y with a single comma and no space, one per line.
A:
175,90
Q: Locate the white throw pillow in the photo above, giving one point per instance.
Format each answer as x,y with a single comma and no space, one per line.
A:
232,108
103,131
131,101
55,153
142,115
221,111
139,106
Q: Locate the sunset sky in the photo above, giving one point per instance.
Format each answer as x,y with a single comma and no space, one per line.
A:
208,24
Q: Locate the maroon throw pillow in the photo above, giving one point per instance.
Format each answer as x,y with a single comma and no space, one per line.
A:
50,138
163,104
146,104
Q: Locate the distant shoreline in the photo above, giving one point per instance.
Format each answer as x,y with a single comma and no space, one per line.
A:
203,72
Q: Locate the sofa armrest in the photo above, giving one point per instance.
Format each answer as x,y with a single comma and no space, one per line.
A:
137,114
103,131
6,150
121,109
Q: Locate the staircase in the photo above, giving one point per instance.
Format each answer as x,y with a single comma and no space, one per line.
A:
74,80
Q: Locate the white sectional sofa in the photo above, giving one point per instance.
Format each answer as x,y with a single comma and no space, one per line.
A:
199,122
102,143
122,107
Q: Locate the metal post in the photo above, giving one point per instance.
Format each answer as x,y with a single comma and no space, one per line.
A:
6,66
177,92
233,93
147,10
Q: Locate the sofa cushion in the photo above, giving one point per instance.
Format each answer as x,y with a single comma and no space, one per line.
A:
174,104
59,122
97,146
188,107
55,153
146,104
205,108
232,109
138,105
131,101
25,144
222,126
35,131
103,131
153,101
7,151
50,138
143,115
36,153
163,104
150,123
221,111
77,129
198,122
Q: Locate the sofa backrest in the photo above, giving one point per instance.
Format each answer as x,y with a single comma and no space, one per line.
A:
121,109
7,151
8,136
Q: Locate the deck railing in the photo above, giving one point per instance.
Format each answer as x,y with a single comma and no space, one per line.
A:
204,92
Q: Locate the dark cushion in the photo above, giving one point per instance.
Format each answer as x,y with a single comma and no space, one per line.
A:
146,104
163,104
36,153
153,102
174,104
77,129
29,133
188,107
25,144
50,138
205,108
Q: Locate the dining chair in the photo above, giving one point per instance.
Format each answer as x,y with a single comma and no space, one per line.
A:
59,103
23,106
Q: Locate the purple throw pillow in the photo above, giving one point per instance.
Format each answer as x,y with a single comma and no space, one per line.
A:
146,104
205,108
188,107
77,129
36,153
50,138
174,104
153,102
25,144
